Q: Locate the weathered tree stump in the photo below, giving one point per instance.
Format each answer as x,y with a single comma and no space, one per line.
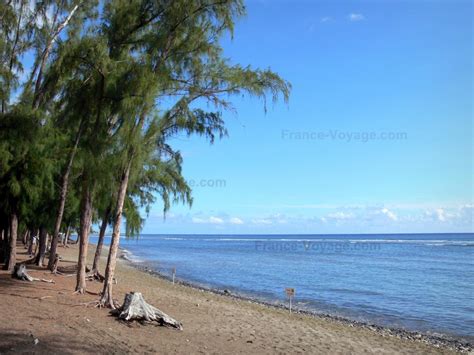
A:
135,308
19,272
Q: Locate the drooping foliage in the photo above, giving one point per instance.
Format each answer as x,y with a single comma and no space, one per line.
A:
91,97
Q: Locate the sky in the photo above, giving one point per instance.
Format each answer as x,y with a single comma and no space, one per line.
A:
377,135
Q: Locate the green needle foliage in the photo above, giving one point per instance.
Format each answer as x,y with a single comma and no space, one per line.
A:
87,127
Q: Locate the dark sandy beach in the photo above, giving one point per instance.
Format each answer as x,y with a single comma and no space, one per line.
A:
213,323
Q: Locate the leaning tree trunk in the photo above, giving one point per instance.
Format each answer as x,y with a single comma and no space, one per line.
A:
62,197
85,226
100,242
106,299
12,243
37,97
41,246
38,92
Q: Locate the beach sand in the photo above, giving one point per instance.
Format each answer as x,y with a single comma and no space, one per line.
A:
213,324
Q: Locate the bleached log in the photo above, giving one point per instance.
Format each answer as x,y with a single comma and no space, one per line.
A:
136,308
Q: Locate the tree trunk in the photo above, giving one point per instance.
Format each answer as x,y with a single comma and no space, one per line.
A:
1,244
106,299
44,58
30,242
12,243
41,246
100,242
63,196
4,240
66,237
25,237
13,53
85,225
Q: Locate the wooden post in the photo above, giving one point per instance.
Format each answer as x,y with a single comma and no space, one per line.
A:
290,292
173,273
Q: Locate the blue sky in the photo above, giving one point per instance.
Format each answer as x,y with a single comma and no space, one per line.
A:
377,136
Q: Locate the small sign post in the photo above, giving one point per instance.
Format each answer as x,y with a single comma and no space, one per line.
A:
290,293
173,273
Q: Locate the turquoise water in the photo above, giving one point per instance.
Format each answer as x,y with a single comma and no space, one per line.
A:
422,282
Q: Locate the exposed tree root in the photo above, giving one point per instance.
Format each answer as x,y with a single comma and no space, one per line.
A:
95,276
43,298
135,308
54,269
29,261
45,280
93,293
64,274
67,270
95,304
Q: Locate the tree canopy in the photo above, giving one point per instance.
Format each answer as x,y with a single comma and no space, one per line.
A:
92,94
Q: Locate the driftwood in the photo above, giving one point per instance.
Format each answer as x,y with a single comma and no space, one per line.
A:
135,308
19,272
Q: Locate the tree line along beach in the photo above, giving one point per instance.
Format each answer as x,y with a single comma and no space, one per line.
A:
101,104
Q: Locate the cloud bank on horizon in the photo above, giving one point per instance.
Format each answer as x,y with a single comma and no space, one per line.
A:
368,69
350,219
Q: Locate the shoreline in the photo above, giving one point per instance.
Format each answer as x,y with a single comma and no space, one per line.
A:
51,318
456,343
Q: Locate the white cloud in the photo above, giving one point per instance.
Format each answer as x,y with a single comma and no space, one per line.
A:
198,220
215,220
210,220
326,19
441,215
262,221
448,214
235,220
389,214
355,17
350,218
340,215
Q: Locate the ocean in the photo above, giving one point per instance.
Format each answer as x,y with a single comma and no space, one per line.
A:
417,282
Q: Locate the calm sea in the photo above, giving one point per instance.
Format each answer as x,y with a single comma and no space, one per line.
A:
422,282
